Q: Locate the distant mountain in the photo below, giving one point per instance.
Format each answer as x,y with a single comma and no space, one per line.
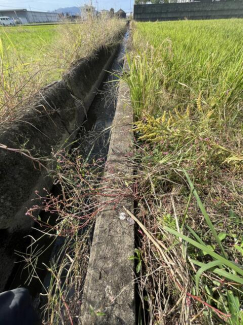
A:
69,10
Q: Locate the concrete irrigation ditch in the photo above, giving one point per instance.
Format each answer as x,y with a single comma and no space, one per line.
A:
50,123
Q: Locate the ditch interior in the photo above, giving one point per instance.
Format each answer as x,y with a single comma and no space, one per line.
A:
93,139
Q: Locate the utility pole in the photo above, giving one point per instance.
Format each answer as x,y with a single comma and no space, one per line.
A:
91,10
31,15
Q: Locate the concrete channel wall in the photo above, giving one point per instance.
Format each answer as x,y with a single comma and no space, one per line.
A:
49,124
192,10
109,291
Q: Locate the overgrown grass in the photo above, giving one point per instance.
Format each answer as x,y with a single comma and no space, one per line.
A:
28,62
71,218
34,56
186,82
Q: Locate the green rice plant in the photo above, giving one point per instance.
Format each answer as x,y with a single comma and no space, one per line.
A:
186,91
188,94
140,81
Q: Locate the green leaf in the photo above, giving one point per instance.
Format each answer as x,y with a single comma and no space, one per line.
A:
91,309
195,235
203,269
222,273
137,251
222,236
234,306
216,256
205,214
93,312
196,262
209,247
239,249
100,314
138,267
229,276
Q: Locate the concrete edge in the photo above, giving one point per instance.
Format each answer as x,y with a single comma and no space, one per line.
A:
109,291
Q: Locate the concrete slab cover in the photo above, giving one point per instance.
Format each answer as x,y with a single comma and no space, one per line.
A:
109,294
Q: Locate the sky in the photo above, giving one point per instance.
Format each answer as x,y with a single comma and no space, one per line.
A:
49,5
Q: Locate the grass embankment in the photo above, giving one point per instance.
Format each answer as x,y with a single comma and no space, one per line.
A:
186,81
33,56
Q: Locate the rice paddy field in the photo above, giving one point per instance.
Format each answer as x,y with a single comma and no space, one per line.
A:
186,82
27,41
32,57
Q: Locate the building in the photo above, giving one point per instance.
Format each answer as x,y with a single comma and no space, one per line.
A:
105,13
121,14
88,12
28,17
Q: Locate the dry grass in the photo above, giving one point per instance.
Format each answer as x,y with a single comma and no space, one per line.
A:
23,71
71,217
